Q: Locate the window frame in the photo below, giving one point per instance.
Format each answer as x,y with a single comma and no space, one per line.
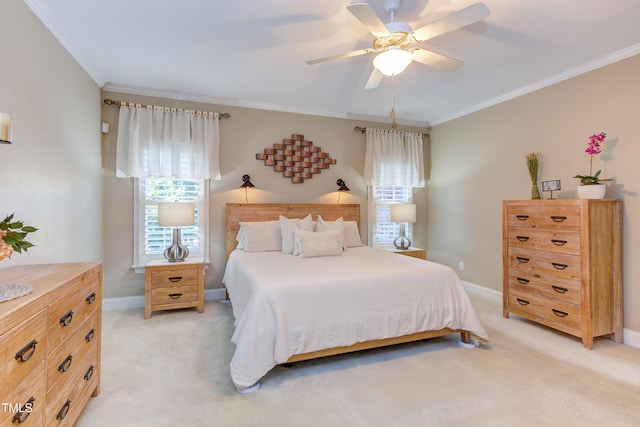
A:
394,226
140,259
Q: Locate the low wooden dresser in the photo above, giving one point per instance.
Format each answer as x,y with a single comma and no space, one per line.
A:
172,285
50,343
562,265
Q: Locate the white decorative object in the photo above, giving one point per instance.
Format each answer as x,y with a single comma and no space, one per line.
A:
594,191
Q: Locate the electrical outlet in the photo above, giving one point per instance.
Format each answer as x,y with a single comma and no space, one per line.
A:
461,266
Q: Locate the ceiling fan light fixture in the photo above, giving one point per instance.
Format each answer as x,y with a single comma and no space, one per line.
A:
392,61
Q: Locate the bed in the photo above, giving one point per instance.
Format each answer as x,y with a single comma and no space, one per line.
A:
291,307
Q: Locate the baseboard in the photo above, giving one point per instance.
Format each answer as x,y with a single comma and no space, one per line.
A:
630,337
123,303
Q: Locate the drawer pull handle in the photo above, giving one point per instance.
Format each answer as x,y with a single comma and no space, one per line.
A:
558,218
24,412
90,335
522,259
64,410
522,280
522,301
175,296
175,279
91,298
522,238
559,266
67,318
522,217
27,351
89,374
559,290
558,242
559,313
66,364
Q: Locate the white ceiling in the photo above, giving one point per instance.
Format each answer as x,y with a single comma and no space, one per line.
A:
252,53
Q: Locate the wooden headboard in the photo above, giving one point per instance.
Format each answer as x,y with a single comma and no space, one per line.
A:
251,212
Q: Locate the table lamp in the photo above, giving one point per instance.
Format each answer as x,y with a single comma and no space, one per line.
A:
403,213
176,214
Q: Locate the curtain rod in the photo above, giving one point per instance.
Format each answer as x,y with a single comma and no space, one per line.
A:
119,103
364,129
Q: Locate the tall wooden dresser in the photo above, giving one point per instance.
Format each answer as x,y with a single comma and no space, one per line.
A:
562,265
50,343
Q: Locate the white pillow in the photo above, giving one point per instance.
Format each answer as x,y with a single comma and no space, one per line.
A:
288,225
324,243
260,236
351,233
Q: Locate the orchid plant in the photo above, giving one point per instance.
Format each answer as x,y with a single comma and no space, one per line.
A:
593,149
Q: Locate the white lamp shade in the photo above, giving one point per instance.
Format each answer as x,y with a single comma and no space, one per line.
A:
392,61
176,214
5,128
405,212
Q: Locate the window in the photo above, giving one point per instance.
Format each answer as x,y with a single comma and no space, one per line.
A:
151,240
385,231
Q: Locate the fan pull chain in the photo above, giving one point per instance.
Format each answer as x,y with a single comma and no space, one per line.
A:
393,103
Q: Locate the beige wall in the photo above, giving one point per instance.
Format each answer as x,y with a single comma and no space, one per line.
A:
246,133
478,161
50,176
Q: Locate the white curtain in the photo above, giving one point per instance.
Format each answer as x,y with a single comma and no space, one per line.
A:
164,142
393,158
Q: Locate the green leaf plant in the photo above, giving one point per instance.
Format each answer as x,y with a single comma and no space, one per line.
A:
13,234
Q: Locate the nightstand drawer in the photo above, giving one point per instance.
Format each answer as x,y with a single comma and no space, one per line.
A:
174,294
175,277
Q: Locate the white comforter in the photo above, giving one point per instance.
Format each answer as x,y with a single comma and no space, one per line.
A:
285,305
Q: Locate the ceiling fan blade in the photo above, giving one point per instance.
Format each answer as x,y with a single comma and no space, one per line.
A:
374,79
435,60
368,18
474,13
342,55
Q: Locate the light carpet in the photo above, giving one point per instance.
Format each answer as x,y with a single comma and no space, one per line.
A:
173,370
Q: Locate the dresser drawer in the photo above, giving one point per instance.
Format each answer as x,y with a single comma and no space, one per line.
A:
64,408
568,290
174,277
66,315
26,400
552,240
22,348
65,361
566,217
554,313
544,264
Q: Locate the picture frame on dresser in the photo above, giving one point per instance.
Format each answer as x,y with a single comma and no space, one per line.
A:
562,265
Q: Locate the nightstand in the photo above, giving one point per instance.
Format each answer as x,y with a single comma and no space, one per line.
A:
172,285
412,252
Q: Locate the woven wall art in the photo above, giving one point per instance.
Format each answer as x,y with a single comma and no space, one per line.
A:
296,158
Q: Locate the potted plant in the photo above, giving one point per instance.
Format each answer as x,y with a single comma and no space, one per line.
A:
591,186
12,237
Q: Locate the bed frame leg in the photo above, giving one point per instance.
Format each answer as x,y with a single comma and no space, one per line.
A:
465,337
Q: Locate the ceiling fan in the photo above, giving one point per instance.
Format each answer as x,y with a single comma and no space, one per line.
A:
395,42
